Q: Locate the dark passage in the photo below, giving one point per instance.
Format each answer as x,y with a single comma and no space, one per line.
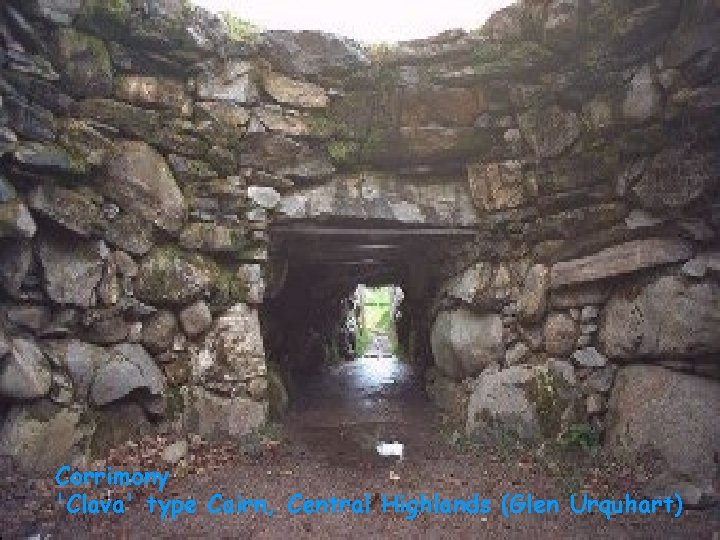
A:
351,389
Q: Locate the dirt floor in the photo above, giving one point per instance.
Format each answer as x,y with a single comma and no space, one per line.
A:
329,449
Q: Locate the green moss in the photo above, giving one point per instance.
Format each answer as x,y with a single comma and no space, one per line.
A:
253,253
344,152
380,52
543,392
169,265
579,437
226,287
174,402
78,160
324,126
78,43
239,29
107,11
86,62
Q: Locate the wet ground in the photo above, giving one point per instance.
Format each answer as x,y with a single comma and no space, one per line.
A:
347,410
329,448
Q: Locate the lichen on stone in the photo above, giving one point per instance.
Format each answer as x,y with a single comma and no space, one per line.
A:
106,11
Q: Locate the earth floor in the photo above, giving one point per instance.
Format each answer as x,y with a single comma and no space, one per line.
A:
328,448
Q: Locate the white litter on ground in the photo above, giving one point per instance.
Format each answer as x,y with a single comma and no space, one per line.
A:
394,449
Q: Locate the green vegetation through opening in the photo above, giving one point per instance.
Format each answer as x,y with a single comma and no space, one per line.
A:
375,314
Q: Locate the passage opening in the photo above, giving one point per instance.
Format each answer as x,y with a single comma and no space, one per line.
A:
374,321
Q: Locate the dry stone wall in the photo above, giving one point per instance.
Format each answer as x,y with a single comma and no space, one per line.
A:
601,181
133,235
145,153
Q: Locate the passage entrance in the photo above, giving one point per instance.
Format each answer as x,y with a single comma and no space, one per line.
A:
346,323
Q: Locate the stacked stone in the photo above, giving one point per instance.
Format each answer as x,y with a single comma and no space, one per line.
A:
603,160
144,154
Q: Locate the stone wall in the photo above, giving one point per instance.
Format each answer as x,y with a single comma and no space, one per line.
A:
133,236
146,153
601,179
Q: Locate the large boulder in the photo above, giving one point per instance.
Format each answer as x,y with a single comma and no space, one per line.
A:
138,179
295,93
505,24
196,319
521,402
25,374
130,368
448,395
668,413
75,210
471,284
39,436
158,331
124,421
215,417
464,343
666,318
213,238
170,277
425,105
234,82
81,211
72,268
550,131
80,360
312,53
621,259
379,196
426,144
232,352
674,179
